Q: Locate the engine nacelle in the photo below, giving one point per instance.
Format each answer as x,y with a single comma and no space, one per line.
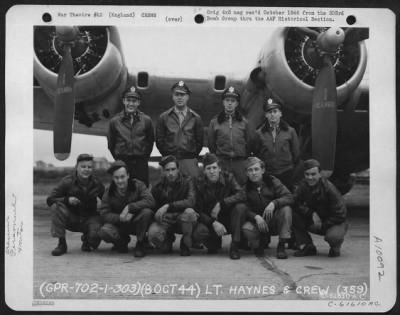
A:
290,77
98,62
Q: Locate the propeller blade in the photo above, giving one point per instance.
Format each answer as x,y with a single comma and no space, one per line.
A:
324,122
353,35
64,107
308,32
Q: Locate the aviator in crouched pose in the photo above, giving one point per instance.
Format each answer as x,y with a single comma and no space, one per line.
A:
74,206
270,211
220,205
320,209
125,209
175,198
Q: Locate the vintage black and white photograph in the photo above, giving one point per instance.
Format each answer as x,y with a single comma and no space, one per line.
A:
229,159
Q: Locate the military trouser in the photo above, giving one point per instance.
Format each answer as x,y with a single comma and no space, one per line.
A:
334,235
280,225
236,166
118,234
286,178
162,234
64,219
189,167
138,168
232,219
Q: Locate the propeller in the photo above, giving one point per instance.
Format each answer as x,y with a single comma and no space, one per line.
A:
324,101
65,95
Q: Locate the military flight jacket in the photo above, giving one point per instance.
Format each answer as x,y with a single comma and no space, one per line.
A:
184,141
230,141
272,190
70,186
226,191
324,199
137,197
130,140
180,195
279,154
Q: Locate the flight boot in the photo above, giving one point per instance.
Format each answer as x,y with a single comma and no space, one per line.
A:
85,244
334,251
280,251
61,248
307,250
184,249
234,251
139,249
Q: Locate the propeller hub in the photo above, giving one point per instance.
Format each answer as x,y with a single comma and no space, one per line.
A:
78,47
312,55
329,41
67,33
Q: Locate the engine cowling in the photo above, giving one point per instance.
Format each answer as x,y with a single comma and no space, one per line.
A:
97,59
289,73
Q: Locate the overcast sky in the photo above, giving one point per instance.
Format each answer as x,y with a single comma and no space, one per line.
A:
195,52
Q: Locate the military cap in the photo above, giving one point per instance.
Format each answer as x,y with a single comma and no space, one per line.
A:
209,158
84,157
311,163
180,87
231,92
116,165
254,160
271,104
133,92
168,159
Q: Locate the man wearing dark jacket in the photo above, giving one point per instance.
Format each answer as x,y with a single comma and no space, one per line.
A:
74,202
229,136
276,144
319,209
125,209
221,208
131,136
179,131
269,209
175,198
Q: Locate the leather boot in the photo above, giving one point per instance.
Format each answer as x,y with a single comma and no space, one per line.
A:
61,248
280,251
185,251
234,251
85,244
307,250
334,252
139,249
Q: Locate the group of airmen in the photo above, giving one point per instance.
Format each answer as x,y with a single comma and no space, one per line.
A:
245,186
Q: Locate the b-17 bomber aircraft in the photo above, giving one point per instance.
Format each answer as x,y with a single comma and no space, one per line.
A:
318,74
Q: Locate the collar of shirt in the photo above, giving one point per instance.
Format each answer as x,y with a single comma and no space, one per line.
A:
184,112
135,115
274,126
